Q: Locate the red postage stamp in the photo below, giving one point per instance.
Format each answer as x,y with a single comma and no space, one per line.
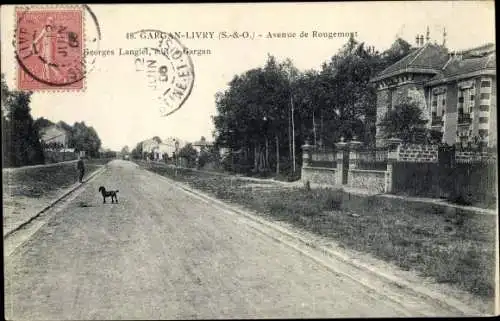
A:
49,49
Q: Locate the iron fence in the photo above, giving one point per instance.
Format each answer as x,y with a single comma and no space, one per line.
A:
375,159
323,158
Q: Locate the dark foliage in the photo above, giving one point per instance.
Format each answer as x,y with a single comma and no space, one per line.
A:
20,140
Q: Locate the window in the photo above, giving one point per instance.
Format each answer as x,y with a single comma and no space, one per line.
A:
439,95
466,98
485,96
484,108
483,120
485,83
483,132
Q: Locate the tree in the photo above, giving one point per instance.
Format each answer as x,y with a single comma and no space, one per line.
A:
252,112
405,121
21,143
42,123
85,138
349,99
189,154
124,150
396,52
208,155
137,151
157,139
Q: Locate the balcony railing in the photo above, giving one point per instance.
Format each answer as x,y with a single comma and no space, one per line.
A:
464,119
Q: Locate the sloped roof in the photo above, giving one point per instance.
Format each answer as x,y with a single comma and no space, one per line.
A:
428,59
202,143
458,68
51,132
478,51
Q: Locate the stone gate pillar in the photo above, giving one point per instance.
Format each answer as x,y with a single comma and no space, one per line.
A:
394,145
341,147
306,154
306,162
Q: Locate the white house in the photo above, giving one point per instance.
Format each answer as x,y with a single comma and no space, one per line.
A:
54,135
149,145
163,150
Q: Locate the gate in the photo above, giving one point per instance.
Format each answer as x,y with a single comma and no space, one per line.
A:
345,166
446,164
446,156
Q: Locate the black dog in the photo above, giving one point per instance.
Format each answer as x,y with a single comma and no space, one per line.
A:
111,194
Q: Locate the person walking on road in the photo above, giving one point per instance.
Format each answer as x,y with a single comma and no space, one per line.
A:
81,169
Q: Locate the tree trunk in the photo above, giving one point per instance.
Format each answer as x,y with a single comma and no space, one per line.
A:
255,158
266,160
262,160
314,129
277,155
321,129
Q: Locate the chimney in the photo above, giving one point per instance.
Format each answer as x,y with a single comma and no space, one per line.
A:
421,40
427,35
417,41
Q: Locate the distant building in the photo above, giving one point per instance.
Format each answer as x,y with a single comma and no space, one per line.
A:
163,150
149,145
173,143
455,90
202,144
166,148
54,135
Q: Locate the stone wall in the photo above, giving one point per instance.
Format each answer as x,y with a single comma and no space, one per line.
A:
319,175
57,157
367,179
418,153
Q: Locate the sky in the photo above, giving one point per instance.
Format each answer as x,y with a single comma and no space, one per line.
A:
123,110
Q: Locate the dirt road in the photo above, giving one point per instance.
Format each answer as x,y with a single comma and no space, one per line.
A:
164,254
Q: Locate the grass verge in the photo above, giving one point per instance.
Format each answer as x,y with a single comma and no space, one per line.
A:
39,181
449,245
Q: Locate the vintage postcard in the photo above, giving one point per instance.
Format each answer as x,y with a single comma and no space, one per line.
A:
249,160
